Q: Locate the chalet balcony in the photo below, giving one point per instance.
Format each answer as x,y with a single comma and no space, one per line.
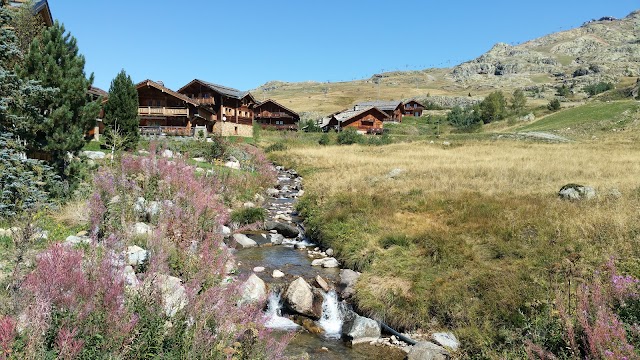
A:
205,101
166,130
288,127
163,111
272,115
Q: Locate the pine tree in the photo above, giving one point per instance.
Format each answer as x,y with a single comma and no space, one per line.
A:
121,111
53,60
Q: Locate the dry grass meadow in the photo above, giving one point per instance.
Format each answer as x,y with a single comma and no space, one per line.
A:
471,237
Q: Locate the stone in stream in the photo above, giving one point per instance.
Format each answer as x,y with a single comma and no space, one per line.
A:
348,279
253,290
243,241
330,263
299,297
258,269
357,327
317,262
322,283
427,350
276,239
286,230
329,252
277,274
272,192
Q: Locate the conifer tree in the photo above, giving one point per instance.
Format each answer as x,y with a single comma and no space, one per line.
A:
53,60
121,111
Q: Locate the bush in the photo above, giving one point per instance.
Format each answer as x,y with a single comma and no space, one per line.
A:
554,105
324,139
598,88
279,146
563,91
311,126
245,216
376,140
349,136
463,118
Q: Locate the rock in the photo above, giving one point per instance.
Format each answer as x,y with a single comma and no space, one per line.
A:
142,229
322,283
446,339
286,230
232,165
94,155
277,274
243,241
40,235
317,262
82,233
330,263
329,252
276,239
136,255
253,290
348,279
299,298
199,159
248,205
301,246
226,231
394,173
427,351
259,199
174,295
199,170
73,240
258,269
357,327
272,192
576,192
528,117
166,153
143,152
153,208
446,143
364,340
130,278
140,208
282,217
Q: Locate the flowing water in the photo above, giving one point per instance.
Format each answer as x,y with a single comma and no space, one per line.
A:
331,319
274,317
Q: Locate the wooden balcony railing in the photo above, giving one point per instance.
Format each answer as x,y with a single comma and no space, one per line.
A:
166,130
164,111
270,115
205,101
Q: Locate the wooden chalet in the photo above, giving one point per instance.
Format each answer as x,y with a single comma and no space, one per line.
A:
95,93
368,120
40,8
413,108
271,114
233,108
164,111
393,109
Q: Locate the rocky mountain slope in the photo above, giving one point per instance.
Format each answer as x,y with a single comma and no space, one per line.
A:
607,49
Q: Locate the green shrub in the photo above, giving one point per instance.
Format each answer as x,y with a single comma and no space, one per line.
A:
279,146
595,89
250,215
563,91
349,136
379,140
463,118
554,105
324,139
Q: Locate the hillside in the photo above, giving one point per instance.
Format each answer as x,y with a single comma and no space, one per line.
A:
605,50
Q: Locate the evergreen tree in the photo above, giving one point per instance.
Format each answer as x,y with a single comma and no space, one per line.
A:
121,111
518,101
493,107
53,60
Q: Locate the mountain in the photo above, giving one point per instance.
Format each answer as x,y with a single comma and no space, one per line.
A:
606,49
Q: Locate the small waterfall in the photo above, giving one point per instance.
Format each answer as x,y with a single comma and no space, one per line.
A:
273,314
331,319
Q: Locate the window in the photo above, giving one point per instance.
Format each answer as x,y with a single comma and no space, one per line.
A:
235,130
206,95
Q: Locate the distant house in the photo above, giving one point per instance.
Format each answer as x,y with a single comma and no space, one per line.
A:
365,120
95,93
413,108
40,7
233,108
393,109
164,111
271,114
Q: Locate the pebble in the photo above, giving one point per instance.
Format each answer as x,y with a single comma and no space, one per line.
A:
258,269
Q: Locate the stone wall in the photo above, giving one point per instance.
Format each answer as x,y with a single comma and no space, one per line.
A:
226,128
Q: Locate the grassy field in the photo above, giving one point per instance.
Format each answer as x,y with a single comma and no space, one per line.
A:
471,237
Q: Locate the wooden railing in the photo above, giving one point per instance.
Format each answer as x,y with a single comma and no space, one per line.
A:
166,111
268,115
289,127
207,101
166,130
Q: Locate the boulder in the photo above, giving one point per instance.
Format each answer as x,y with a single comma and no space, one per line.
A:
142,229
299,298
348,279
253,290
427,351
286,230
153,208
258,269
258,199
272,192
248,205
358,327
330,263
322,283
446,339
73,240
277,274
136,255
174,295
329,252
232,165
167,153
94,155
276,239
242,241
130,279
226,231
394,173
576,192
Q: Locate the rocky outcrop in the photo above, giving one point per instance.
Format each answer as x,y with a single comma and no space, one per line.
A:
576,192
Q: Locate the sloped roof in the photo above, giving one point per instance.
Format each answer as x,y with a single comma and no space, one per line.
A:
415,101
349,114
224,90
97,91
258,104
382,105
154,84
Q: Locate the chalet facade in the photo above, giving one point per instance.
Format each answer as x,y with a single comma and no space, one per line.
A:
393,109
271,114
413,108
233,108
164,111
367,121
40,8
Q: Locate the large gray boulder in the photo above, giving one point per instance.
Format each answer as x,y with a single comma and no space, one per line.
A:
253,290
242,241
446,339
348,279
427,351
576,192
286,230
299,298
136,255
357,327
94,155
173,293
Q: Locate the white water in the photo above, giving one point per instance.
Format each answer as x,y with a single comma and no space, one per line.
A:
331,319
274,317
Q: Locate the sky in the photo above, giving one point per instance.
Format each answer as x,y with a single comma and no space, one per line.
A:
244,44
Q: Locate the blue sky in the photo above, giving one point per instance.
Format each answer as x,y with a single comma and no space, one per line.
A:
244,44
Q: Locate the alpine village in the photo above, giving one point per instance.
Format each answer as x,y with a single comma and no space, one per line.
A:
485,210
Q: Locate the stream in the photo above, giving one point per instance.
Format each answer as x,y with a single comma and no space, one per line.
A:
293,259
